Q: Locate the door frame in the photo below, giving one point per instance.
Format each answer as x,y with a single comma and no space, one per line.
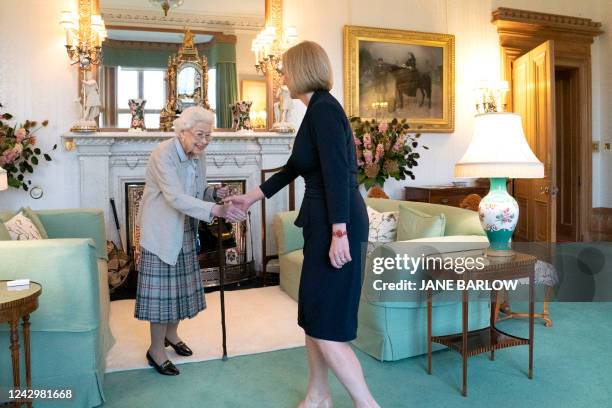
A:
519,31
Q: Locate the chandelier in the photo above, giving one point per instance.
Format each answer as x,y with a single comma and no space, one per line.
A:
166,4
269,46
84,35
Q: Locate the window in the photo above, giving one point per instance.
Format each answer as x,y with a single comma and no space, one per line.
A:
140,83
150,84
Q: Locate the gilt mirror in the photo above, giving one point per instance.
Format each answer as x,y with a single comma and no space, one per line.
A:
215,62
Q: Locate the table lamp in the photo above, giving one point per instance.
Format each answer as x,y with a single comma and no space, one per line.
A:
3,179
499,150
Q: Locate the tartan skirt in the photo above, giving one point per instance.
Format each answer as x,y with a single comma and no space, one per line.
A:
167,293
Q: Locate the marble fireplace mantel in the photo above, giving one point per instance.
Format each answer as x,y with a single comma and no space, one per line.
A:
109,160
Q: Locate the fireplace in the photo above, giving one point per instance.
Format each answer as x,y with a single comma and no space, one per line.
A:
235,237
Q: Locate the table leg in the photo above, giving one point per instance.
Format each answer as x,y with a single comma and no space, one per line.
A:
464,344
429,311
531,319
15,355
494,300
26,345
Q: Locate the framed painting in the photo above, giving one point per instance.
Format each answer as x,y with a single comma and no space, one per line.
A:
400,74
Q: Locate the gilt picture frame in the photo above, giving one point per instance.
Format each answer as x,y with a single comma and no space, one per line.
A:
400,74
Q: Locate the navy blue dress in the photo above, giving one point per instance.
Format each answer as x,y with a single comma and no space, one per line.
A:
324,154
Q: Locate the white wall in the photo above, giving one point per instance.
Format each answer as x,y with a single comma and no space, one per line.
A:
36,81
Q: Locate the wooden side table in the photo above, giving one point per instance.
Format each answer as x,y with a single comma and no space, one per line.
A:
470,343
16,305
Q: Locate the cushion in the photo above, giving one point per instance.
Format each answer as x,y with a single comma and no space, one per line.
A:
383,225
415,224
4,234
33,219
21,228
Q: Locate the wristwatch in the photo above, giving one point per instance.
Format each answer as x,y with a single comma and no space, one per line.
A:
339,234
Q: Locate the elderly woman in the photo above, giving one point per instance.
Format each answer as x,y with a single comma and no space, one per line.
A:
175,197
334,224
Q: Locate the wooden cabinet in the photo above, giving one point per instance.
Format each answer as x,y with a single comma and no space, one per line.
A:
447,195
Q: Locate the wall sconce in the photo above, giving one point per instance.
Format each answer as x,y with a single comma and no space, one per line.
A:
84,34
269,46
490,96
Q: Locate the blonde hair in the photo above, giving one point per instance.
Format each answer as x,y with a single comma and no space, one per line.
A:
192,115
308,68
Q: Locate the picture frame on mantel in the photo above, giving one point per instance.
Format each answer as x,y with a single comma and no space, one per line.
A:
400,74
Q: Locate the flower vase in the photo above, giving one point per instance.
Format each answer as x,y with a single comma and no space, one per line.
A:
241,120
137,123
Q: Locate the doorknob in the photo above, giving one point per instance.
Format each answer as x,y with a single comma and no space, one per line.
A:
544,190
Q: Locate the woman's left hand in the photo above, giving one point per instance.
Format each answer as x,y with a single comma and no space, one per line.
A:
339,251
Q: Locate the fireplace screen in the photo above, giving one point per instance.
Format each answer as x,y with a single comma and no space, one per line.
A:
236,262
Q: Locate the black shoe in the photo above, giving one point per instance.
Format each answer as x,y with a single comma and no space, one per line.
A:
181,348
167,368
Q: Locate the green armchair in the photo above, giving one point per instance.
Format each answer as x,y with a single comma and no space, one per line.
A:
392,330
70,333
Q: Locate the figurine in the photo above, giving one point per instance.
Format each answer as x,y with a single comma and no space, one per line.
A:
282,110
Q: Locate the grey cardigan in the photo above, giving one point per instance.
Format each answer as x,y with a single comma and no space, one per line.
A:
165,203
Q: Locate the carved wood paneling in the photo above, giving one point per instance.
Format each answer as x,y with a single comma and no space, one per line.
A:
520,31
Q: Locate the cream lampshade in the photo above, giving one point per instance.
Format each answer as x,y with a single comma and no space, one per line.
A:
498,150
3,179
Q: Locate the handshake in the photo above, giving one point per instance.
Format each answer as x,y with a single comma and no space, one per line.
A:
234,208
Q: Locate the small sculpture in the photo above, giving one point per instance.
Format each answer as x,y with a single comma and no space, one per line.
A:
241,120
167,115
89,105
137,110
282,110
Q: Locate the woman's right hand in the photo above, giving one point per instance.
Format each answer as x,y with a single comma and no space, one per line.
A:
244,201
229,211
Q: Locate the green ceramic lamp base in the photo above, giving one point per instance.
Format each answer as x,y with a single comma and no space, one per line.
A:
498,212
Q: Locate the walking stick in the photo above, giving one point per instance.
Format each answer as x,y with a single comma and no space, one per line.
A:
221,283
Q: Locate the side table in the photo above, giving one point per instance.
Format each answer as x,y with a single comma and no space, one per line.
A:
470,343
16,304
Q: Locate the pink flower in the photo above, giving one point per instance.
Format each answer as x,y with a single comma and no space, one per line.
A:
367,141
367,155
382,127
357,141
380,151
20,134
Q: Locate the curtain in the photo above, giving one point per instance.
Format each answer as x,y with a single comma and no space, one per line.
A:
227,93
223,57
109,97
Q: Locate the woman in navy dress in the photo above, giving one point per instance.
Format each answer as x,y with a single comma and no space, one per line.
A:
334,223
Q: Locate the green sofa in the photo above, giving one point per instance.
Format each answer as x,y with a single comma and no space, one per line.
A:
393,330
70,333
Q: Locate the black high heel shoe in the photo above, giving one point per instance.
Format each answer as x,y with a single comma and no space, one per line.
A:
166,368
181,348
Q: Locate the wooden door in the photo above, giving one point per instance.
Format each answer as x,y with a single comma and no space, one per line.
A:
533,89
568,154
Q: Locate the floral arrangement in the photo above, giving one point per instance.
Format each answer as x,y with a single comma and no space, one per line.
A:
18,154
241,119
385,149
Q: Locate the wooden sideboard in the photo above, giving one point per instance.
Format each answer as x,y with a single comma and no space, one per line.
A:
447,195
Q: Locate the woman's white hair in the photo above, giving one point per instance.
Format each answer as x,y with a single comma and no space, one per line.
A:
192,115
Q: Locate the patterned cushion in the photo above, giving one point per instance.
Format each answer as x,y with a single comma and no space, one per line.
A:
383,225
25,226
